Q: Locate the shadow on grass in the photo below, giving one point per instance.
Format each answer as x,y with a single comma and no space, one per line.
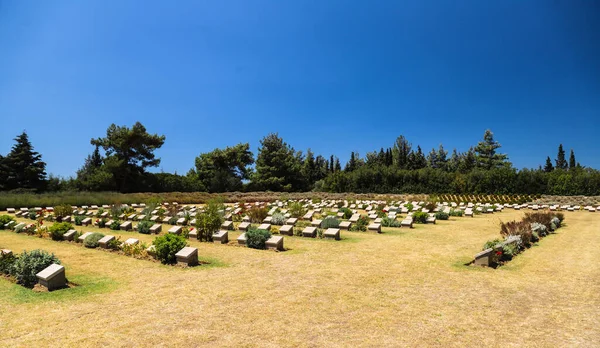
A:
85,286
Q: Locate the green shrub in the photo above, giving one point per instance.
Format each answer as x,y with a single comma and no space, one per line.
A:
209,221
361,224
257,239
6,263
491,244
28,264
456,212
32,215
58,229
167,246
78,220
440,215
430,206
102,222
257,214
420,217
278,219
409,206
115,225
173,220
296,210
144,226
389,222
62,210
91,241
4,219
347,213
330,222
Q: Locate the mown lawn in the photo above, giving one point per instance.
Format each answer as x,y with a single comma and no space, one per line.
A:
400,288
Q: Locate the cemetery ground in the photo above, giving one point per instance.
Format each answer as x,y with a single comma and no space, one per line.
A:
405,287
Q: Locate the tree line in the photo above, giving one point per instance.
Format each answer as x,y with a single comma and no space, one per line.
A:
121,159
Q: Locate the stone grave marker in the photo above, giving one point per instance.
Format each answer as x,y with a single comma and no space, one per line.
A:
221,237
332,233
103,242
187,256
309,231
52,277
275,243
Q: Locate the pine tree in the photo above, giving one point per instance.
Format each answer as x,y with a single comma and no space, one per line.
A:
572,162
548,167
351,165
400,152
487,158
331,164
468,161
278,166
26,170
561,162
453,162
432,159
442,158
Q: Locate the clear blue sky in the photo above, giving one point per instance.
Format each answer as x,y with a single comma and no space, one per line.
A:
335,76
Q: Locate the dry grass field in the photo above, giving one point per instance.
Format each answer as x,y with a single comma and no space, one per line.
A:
400,288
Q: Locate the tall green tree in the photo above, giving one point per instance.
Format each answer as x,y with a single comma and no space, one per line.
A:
223,170
25,168
487,157
278,166
93,176
468,161
129,151
400,152
351,165
417,160
548,167
572,161
561,162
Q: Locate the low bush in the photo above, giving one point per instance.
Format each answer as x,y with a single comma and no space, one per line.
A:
330,222
347,213
361,224
296,210
257,214
136,250
32,215
539,229
409,206
102,222
144,226
115,225
388,222
4,219
173,220
517,228
62,210
91,241
440,215
28,264
257,239
58,229
278,219
420,217
456,212
167,246
6,263
78,220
